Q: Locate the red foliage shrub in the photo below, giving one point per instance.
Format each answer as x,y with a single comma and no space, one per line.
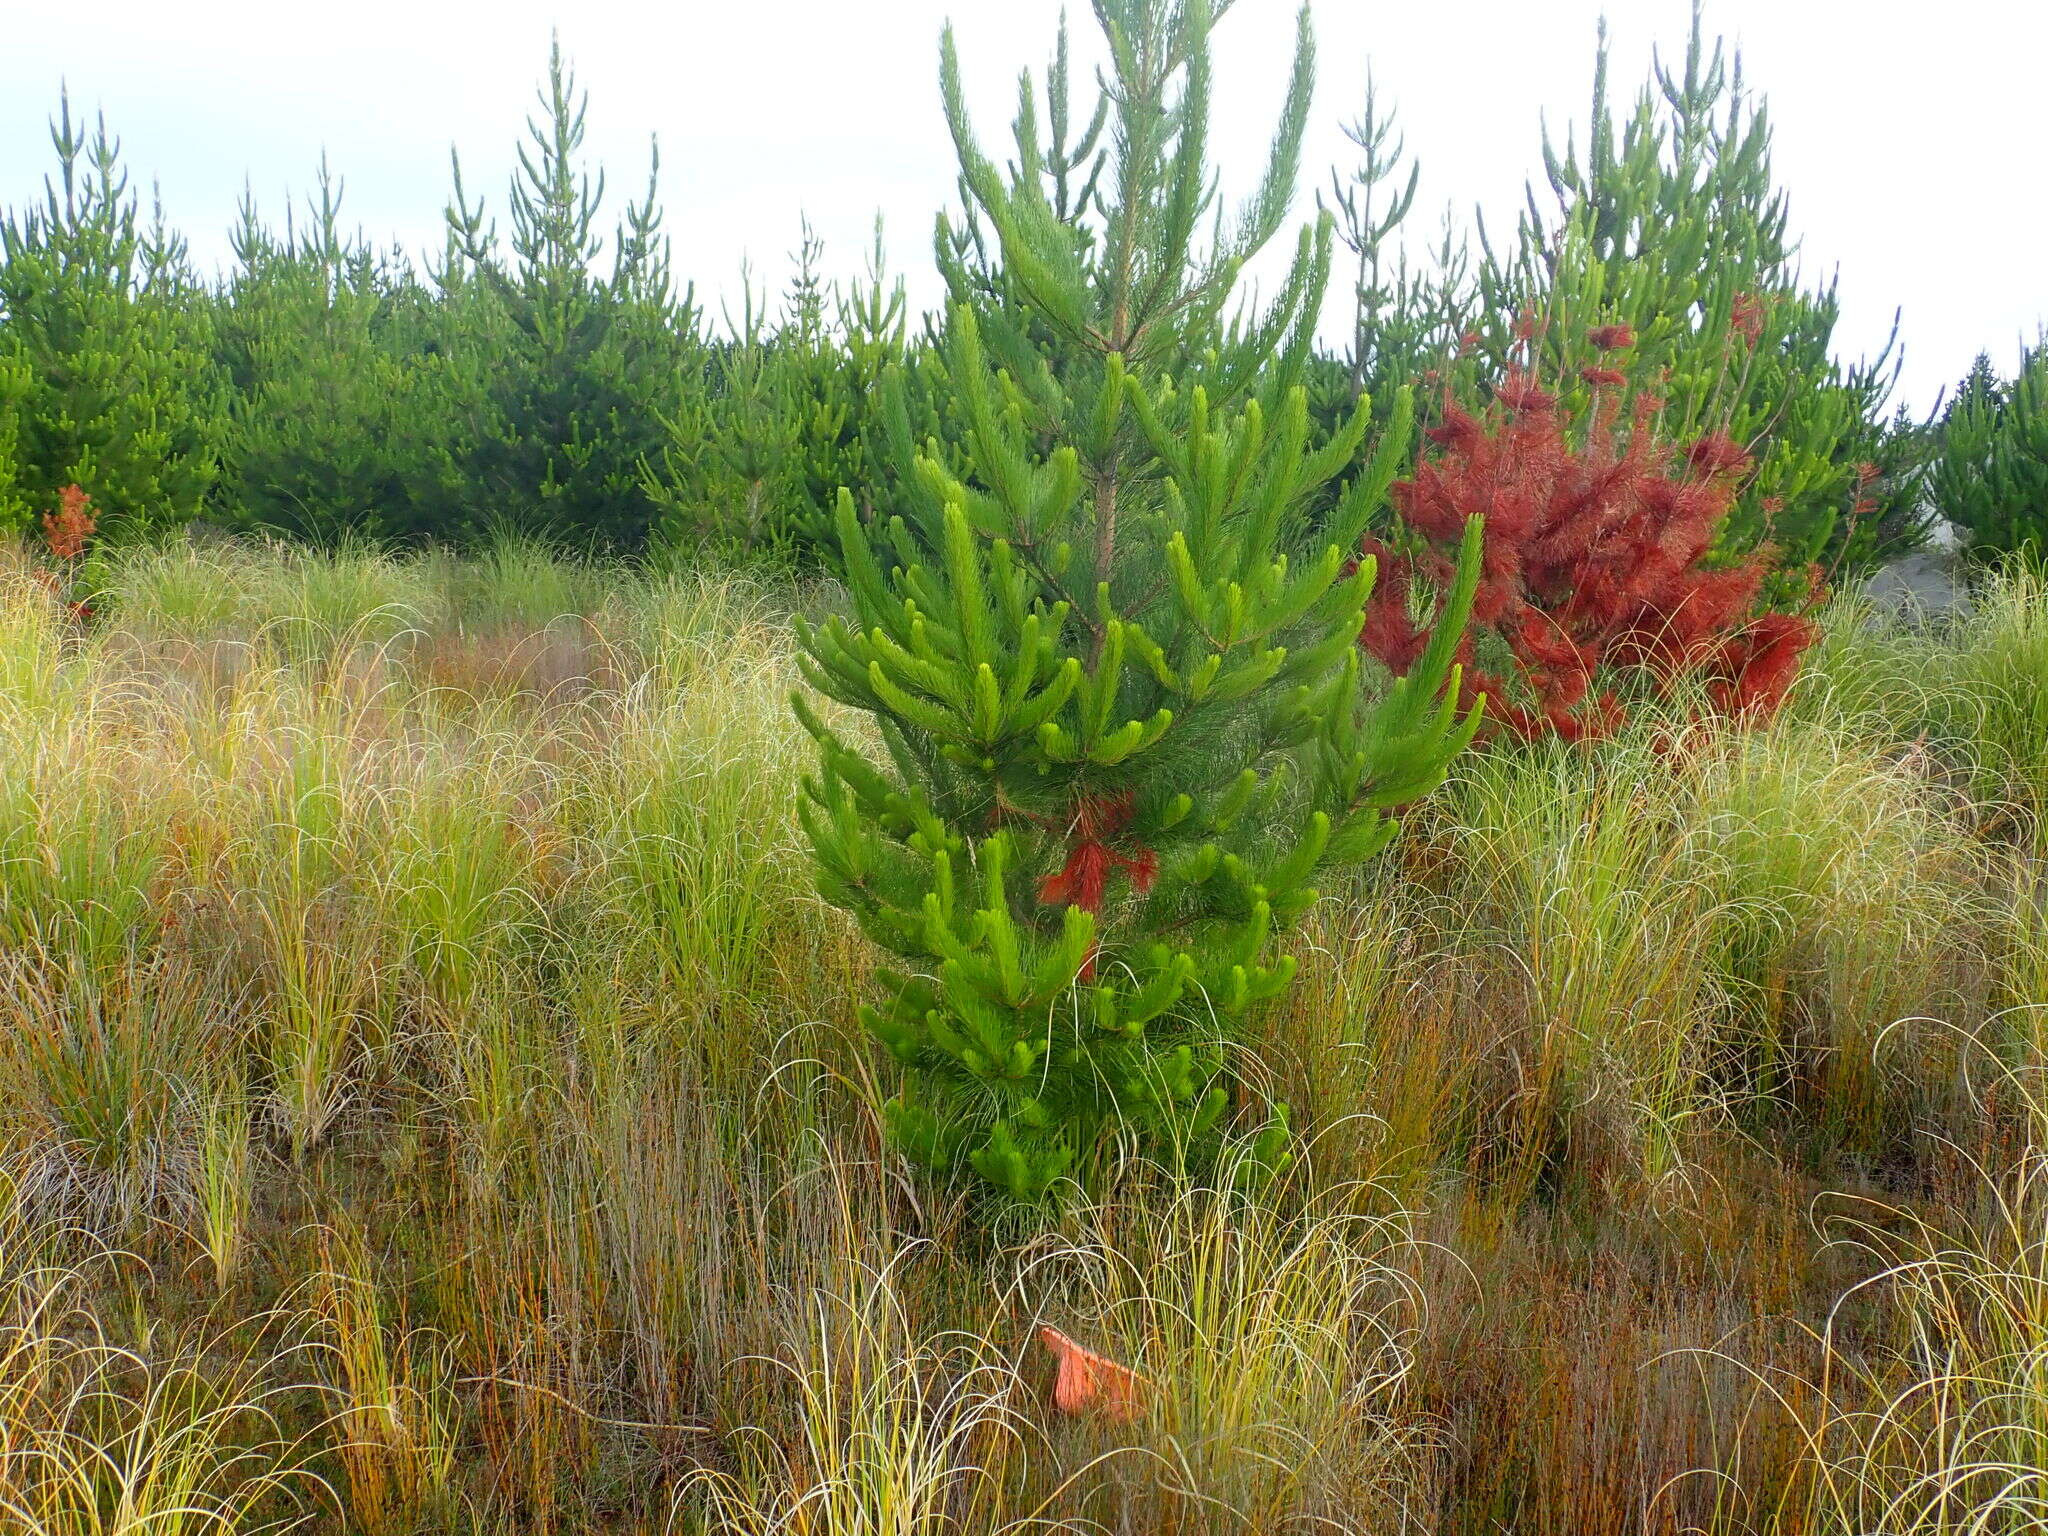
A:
66,530
65,533
1594,583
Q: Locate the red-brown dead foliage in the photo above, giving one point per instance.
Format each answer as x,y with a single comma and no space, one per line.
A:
1595,570
65,533
66,530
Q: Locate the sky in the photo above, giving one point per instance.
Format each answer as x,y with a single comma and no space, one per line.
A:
1907,135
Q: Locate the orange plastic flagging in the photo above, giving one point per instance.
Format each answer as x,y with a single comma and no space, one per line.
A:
1091,1383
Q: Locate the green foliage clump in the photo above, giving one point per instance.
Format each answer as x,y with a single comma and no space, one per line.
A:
1989,477
785,418
1114,673
348,409
105,378
15,384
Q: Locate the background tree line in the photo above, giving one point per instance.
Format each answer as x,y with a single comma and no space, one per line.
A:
556,378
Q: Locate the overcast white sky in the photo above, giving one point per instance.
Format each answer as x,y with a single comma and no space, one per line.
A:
1908,134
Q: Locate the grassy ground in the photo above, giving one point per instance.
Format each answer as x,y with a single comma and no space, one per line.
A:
428,1104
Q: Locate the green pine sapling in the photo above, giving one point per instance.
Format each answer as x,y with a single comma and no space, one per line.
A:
1114,671
1990,478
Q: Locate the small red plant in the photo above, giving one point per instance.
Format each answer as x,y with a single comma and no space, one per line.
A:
65,534
66,530
1595,576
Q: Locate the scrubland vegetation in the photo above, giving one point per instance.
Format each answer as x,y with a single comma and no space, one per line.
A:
1085,918
432,1102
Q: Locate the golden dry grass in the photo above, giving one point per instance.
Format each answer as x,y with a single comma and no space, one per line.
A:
429,1102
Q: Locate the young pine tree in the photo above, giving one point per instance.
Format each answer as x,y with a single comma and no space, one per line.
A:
582,366
1667,223
1114,674
103,353
343,421
754,460
1598,592
756,425
1990,475
1406,320
836,383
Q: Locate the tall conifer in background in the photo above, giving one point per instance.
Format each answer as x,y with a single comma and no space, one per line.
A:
1990,474
838,384
754,457
1668,223
346,418
754,424
103,346
1406,319
1114,672
583,365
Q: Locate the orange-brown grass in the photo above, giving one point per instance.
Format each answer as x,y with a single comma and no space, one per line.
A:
414,964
